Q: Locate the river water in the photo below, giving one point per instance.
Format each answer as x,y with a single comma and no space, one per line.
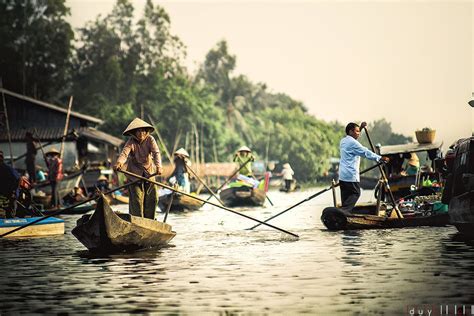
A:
214,266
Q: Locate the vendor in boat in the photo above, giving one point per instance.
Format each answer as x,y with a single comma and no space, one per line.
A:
180,172
242,156
55,174
144,159
287,174
413,165
351,151
8,187
102,183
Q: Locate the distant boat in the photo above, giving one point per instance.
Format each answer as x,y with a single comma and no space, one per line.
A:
107,231
46,227
245,193
364,217
180,203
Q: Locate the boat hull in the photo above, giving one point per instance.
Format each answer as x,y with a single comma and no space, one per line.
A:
107,231
47,227
242,196
461,212
180,203
338,219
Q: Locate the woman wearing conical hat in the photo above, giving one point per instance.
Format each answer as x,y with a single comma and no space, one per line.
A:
180,173
287,174
142,157
413,165
242,155
55,173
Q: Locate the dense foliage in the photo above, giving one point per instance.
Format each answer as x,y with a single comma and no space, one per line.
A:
121,68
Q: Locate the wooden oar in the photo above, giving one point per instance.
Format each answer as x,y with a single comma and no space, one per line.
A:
67,209
202,200
311,197
384,178
230,178
203,183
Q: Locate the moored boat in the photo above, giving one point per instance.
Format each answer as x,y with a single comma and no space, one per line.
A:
108,231
364,217
46,227
179,203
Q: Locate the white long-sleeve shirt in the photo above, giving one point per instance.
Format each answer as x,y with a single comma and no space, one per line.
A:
351,151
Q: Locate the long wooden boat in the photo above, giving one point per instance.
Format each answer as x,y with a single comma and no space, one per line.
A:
108,231
79,210
242,196
180,203
461,212
363,217
46,227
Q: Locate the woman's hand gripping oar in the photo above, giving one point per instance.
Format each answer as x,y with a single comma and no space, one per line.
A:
204,201
311,197
58,212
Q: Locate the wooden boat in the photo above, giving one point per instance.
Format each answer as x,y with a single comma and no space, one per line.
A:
180,203
242,196
459,188
363,217
65,186
46,227
107,231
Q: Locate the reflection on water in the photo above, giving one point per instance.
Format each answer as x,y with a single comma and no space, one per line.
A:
215,265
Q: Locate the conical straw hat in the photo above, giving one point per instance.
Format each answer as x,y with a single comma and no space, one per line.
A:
414,161
53,151
244,148
135,124
286,165
102,178
182,152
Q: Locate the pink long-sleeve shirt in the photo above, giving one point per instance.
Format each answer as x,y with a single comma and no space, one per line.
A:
142,158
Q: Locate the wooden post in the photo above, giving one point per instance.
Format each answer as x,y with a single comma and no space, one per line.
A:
8,125
66,126
333,188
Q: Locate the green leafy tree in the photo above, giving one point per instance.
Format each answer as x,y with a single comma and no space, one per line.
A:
35,47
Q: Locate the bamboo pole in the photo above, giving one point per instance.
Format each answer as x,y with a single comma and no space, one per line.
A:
8,125
66,126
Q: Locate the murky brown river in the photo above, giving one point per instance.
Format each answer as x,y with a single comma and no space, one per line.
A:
214,266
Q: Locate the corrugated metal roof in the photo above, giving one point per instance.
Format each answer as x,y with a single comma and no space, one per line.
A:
52,106
408,148
50,134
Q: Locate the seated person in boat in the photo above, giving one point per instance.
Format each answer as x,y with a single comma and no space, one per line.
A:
180,172
244,158
8,188
55,173
76,195
287,174
102,183
351,151
142,155
413,165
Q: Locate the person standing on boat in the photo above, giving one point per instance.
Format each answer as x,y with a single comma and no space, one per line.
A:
180,173
30,156
287,174
351,151
142,155
55,174
8,187
242,155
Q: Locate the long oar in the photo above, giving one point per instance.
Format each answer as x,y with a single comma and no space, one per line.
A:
202,200
384,177
311,197
230,178
203,183
66,209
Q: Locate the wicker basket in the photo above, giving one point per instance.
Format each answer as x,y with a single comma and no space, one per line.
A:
425,137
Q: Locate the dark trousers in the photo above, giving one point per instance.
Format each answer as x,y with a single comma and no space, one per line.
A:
288,185
31,168
350,193
54,194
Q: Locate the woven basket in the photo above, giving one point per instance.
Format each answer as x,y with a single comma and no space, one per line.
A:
425,137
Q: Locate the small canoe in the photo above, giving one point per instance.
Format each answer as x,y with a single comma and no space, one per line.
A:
363,217
242,196
180,203
46,227
108,231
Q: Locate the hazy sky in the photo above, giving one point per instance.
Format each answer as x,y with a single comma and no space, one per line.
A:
410,62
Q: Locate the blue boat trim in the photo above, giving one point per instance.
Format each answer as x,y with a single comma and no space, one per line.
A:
16,222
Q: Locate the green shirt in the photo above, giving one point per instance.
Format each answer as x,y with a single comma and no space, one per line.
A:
247,169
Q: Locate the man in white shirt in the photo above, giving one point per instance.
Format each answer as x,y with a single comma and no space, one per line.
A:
351,151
